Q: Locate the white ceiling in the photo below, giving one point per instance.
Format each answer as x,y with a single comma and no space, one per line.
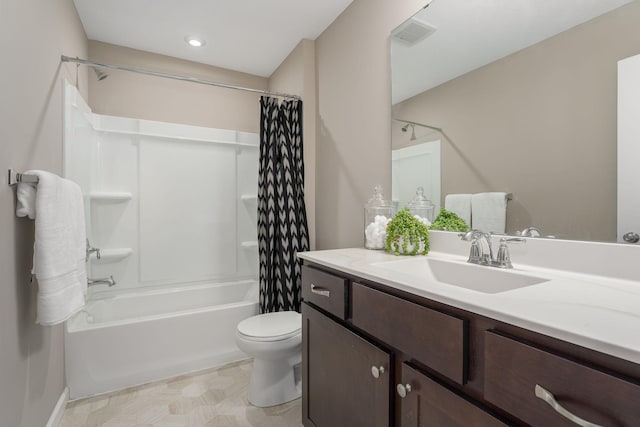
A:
473,33
252,36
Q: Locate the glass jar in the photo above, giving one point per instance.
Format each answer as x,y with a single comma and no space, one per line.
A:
421,206
377,213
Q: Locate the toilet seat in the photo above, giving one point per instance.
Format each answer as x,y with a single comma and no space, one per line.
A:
276,326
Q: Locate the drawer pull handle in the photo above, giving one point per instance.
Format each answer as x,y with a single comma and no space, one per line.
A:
375,371
403,390
545,395
320,291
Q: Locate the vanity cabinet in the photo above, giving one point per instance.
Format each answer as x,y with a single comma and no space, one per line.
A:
346,379
425,402
408,327
325,290
374,355
519,377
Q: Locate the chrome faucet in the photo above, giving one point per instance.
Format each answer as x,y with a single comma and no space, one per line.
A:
481,251
530,232
90,250
105,281
533,232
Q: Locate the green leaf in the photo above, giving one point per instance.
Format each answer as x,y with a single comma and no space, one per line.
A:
405,229
449,221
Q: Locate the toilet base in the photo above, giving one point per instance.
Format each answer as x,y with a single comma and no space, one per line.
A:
274,382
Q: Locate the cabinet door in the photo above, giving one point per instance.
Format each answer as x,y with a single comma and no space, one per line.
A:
423,402
340,388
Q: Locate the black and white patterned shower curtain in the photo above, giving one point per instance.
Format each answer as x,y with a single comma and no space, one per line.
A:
282,219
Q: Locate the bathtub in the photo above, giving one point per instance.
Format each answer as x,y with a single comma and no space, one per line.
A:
130,339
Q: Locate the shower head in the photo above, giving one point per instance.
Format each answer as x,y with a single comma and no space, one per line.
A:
100,74
413,130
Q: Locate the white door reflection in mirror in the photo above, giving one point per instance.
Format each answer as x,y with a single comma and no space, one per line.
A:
413,167
628,149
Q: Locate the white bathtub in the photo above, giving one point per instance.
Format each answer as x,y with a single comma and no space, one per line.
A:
131,339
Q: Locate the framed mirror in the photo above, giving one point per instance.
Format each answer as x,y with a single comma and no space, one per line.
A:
523,97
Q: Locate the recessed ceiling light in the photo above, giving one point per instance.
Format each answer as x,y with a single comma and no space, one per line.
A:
195,41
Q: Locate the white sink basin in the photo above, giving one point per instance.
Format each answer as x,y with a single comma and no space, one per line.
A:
478,278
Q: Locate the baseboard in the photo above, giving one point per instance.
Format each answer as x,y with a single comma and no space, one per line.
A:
58,410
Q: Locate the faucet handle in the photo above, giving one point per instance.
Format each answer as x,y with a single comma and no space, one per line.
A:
513,240
90,249
474,252
480,251
470,235
503,259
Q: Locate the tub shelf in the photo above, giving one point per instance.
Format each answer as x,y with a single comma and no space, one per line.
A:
249,197
110,196
111,255
250,244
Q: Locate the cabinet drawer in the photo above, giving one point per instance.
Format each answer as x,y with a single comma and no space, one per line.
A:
513,369
427,403
433,338
324,290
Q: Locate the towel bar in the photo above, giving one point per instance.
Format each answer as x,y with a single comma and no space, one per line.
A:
16,177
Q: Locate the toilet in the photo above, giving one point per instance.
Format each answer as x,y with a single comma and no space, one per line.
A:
274,340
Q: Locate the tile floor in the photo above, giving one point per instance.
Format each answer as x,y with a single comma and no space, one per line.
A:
212,398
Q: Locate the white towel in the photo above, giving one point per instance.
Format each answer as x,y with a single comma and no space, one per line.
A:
489,212
26,195
59,248
460,204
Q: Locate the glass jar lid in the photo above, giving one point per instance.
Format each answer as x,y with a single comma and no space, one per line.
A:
420,200
378,200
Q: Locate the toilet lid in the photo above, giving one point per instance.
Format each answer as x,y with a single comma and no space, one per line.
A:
271,326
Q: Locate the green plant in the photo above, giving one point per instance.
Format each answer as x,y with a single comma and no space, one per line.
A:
449,221
404,230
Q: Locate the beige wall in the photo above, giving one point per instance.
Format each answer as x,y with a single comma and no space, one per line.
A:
33,35
297,76
154,98
353,140
541,124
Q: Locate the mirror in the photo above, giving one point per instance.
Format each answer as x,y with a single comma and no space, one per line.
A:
522,96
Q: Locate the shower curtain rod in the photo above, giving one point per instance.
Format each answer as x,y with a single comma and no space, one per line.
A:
175,77
418,124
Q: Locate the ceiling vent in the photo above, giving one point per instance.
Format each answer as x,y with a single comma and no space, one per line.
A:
413,31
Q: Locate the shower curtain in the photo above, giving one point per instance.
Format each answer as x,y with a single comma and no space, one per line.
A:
282,220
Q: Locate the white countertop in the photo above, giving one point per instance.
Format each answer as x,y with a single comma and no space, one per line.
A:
597,312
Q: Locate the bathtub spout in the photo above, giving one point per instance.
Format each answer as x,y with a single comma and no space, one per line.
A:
106,281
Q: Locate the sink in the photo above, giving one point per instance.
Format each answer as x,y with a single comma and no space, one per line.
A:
478,278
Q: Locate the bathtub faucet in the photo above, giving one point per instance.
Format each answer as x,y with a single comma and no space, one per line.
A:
106,281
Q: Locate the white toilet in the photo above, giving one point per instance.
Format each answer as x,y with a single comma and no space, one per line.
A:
274,340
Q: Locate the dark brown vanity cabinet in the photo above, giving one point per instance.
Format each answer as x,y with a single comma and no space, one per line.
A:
425,403
436,339
349,376
377,356
526,380
346,379
324,290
